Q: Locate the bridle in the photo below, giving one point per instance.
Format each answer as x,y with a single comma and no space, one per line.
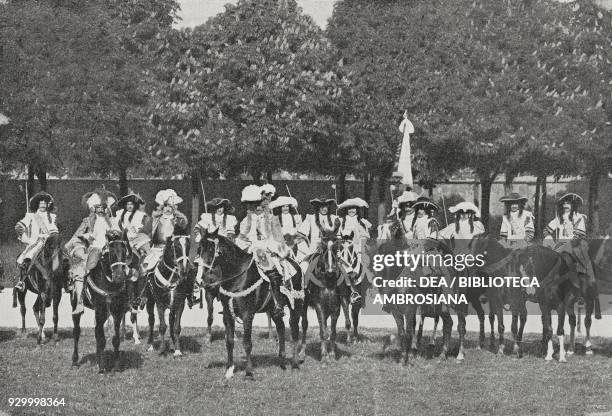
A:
167,282
209,266
124,264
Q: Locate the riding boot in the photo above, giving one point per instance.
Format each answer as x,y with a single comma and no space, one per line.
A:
24,269
275,283
78,290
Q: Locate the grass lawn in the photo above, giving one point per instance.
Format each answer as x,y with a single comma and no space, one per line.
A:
362,381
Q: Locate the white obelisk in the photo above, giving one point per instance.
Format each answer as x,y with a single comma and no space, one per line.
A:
404,165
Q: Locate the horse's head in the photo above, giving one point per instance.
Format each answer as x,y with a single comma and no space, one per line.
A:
119,257
327,266
215,252
176,256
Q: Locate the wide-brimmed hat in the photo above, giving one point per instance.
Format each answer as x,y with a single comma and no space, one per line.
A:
268,188
41,196
215,203
281,201
570,197
466,207
251,193
168,197
408,197
513,197
136,199
317,202
424,203
353,203
99,197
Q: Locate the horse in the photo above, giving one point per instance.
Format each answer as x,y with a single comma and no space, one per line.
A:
46,285
405,314
325,287
243,292
105,291
168,285
352,268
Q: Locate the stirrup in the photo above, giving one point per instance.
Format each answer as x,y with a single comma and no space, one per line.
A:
355,297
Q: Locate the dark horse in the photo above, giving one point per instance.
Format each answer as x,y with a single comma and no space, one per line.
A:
46,285
352,268
324,288
243,292
105,292
405,314
168,285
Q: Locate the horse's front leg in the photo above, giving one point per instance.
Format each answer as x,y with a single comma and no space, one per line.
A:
118,315
161,314
228,322
346,310
22,308
209,319
547,333
294,326
410,327
280,332
76,334
151,316
500,329
101,317
561,310
304,332
322,329
39,312
481,321
588,319
57,297
135,332
175,327
571,318
355,309
461,329
447,329
247,341
333,324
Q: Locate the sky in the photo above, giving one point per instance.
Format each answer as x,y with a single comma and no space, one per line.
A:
196,12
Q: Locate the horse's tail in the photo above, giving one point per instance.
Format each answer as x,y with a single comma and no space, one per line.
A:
14,297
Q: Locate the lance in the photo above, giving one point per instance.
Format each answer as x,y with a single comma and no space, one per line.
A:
204,196
289,192
444,207
27,197
335,197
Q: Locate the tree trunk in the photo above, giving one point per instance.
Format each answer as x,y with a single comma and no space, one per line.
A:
508,187
476,191
30,183
269,176
430,192
367,191
593,213
536,210
383,191
541,216
486,183
195,206
341,187
123,182
41,174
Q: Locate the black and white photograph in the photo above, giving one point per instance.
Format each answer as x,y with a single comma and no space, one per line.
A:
306,207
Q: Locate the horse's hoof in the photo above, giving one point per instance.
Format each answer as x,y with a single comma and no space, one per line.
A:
150,349
137,342
547,358
295,366
75,364
562,360
101,371
178,353
589,352
249,376
570,353
478,348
